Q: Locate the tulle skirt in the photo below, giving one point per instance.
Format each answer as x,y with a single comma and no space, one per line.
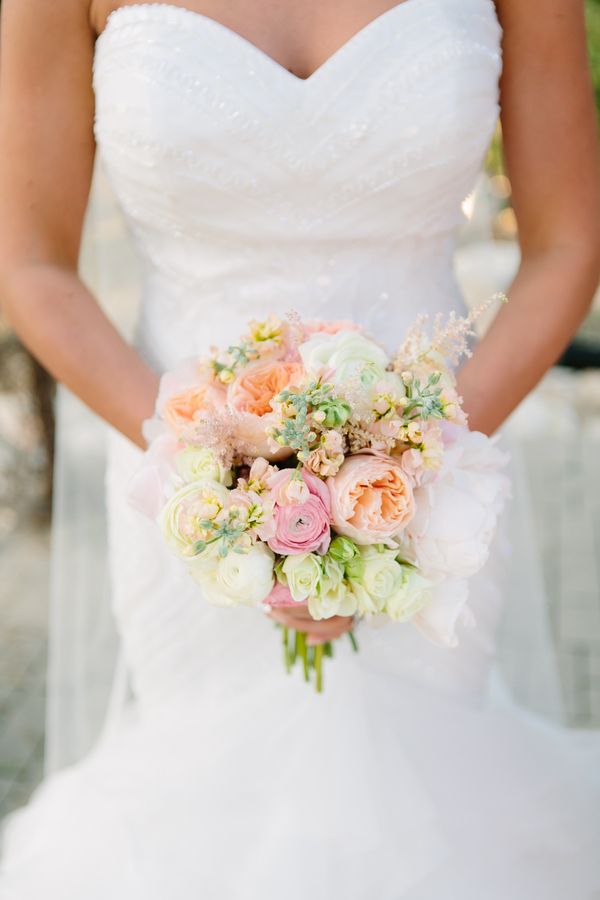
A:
375,790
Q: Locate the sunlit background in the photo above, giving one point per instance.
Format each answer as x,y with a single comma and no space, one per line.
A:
558,428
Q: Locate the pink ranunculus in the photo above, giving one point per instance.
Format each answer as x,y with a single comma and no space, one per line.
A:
371,498
302,513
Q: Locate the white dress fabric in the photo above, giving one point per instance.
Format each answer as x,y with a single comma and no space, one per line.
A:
251,191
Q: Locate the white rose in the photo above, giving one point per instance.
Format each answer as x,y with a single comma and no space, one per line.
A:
339,601
303,573
456,514
375,577
194,463
347,354
192,504
410,597
238,578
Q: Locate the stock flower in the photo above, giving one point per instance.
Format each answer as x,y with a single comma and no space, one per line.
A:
258,477
237,578
371,498
421,461
344,356
194,463
457,512
184,519
328,457
255,511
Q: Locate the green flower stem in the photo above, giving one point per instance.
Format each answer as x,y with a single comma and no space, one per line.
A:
286,650
353,641
304,655
319,667
296,646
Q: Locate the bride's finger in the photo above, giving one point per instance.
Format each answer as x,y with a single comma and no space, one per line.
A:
326,629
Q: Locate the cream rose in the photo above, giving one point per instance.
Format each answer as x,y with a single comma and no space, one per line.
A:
343,356
302,574
411,595
378,577
338,601
371,498
195,463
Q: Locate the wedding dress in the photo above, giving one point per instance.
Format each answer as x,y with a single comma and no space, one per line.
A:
249,191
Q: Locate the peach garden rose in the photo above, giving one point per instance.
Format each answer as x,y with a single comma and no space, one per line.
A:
371,498
185,407
251,393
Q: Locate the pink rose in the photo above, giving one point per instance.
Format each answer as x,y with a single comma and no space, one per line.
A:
371,498
302,513
280,596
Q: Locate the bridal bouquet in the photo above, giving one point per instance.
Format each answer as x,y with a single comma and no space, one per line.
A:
303,465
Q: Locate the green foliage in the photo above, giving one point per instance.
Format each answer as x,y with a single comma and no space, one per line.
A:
592,10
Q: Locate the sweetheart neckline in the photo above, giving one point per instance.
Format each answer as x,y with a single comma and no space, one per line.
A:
121,12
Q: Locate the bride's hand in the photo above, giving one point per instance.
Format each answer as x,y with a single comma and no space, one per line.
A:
299,618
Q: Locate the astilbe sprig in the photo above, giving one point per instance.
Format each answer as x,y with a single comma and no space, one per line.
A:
219,431
449,340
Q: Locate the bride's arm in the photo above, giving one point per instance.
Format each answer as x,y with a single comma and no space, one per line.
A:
46,160
550,145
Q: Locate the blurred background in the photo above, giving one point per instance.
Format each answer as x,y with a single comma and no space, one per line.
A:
558,430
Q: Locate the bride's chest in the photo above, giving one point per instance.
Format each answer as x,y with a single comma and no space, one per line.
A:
187,106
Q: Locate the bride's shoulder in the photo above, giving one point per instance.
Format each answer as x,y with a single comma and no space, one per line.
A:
40,23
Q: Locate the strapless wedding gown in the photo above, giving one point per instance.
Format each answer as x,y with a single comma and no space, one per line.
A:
251,191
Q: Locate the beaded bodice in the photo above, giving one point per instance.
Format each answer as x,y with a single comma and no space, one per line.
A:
248,189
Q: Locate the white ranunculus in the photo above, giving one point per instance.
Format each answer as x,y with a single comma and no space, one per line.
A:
194,463
238,578
189,506
303,573
346,355
456,514
411,596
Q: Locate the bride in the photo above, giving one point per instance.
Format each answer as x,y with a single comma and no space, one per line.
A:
313,156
